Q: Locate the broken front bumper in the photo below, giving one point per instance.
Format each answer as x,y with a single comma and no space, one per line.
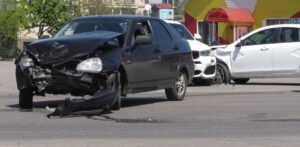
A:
61,79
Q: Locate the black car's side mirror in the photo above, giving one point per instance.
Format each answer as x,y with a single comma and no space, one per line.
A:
143,40
45,37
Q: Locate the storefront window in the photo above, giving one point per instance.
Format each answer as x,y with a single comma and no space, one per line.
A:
277,21
209,32
296,21
282,21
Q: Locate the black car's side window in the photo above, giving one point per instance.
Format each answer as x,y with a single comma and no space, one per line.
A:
289,35
262,37
141,28
160,32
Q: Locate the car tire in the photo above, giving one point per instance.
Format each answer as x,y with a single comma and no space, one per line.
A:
241,80
222,74
25,98
177,92
118,103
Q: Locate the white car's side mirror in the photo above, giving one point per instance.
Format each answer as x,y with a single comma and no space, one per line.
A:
197,36
239,44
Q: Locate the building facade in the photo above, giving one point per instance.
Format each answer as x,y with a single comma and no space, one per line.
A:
133,7
223,21
163,11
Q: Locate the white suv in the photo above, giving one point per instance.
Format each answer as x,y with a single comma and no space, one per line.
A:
203,56
272,51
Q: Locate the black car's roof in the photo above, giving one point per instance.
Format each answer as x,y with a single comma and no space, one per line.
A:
114,17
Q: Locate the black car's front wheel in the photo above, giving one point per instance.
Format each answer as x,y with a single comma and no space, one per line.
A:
25,98
117,102
177,92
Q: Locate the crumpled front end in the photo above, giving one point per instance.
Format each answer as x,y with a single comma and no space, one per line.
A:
93,73
79,65
74,77
205,64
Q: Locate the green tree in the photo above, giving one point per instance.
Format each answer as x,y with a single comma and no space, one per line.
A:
95,7
47,15
11,19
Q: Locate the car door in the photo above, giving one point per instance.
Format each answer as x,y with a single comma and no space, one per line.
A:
143,61
168,51
253,57
286,55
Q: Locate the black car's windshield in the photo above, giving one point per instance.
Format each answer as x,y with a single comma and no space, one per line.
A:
182,31
86,26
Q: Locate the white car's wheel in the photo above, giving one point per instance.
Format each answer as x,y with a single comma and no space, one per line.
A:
222,74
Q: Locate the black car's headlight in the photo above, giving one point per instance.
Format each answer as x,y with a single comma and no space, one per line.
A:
26,62
91,65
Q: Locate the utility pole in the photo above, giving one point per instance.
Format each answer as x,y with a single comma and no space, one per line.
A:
173,4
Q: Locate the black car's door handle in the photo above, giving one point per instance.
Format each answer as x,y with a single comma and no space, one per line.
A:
156,50
175,48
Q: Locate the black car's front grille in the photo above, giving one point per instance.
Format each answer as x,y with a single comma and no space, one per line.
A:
196,54
210,70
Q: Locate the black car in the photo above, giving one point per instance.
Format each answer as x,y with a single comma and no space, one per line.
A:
106,57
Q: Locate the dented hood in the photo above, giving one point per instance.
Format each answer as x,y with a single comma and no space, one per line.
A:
60,49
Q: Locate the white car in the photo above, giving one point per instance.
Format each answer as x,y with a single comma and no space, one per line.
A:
272,51
204,58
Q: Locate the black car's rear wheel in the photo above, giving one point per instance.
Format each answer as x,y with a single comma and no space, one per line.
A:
25,98
241,80
177,92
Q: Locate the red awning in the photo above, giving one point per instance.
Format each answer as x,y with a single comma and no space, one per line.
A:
162,6
297,15
234,15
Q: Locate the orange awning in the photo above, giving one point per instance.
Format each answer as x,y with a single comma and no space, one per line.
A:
234,15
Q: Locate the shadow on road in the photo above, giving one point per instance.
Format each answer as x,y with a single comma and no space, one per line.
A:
298,91
126,102
272,84
138,101
41,104
278,120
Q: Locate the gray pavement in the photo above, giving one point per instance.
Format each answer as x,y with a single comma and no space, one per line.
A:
265,112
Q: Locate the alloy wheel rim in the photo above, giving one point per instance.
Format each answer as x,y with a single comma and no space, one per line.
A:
220,75
180,85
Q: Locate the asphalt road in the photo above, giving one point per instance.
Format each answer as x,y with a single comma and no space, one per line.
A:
265,112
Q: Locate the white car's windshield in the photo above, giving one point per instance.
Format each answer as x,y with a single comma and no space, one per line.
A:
183,32
86,26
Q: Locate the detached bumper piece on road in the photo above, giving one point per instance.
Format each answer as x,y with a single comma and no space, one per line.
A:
101,100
